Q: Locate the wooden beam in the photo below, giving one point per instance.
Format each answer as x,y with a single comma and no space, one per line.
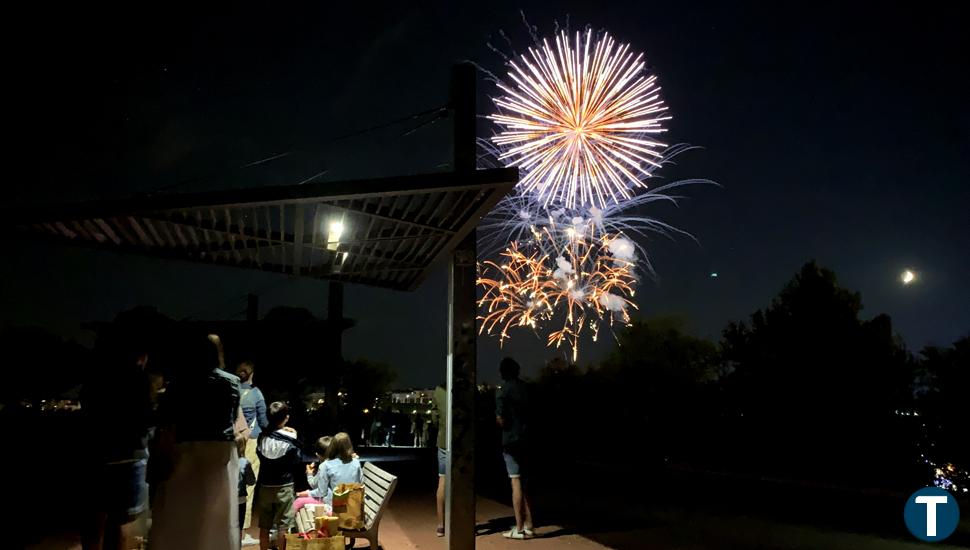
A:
298,239
241,225
80,230
123,231
461,360
484,204
94,231
219,227
283,233
259,253
367,211
63,230
178,233
151,230
267,196
165,231
107,230
315,231
140,232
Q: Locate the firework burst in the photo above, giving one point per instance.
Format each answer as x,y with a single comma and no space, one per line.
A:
568,280
580,117
577,119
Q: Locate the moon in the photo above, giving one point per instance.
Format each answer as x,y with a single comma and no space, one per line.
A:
908,277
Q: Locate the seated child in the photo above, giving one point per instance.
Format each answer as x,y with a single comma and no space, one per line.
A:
315,494
343,466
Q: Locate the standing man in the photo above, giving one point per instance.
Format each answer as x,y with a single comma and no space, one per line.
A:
512,414
441,406
254,411
118,413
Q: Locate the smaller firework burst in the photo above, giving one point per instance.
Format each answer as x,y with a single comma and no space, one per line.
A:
565,279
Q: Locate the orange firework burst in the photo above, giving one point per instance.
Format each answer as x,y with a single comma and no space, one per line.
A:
576,121
566,275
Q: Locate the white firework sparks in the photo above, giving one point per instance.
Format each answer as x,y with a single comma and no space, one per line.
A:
577,121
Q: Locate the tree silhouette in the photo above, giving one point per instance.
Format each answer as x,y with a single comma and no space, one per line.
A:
658,372
651,389
816,381
943,401
40,365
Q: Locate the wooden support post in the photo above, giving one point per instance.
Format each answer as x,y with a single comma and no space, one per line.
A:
335,315
335,353
252,308
462,360
298,228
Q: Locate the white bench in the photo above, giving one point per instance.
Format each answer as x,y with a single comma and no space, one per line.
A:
378,487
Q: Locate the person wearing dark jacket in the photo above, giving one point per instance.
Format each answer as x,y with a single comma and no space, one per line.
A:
280,456
117,411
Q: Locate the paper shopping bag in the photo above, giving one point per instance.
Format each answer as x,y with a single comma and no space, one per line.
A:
328,525
324,543
348,506
295,542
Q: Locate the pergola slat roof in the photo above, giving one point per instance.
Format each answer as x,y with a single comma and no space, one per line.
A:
395,229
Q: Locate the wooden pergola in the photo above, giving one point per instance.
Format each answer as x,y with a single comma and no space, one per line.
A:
378,232
387,232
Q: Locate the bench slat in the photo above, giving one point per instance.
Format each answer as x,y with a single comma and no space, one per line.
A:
378,486
376,493
386,477
371,482
376,503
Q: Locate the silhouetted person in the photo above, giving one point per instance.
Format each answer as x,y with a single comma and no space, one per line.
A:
247,479
254,410
198,505
280,455
117,409
441,413
424,433
512,412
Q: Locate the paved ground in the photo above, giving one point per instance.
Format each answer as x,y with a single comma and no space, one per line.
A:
409,525
573,519
411,522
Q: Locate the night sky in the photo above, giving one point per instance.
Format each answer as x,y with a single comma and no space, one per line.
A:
840,134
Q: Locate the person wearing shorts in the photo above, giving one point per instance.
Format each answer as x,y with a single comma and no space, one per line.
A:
511,410
441,409
117,411
254,410
274,508
279,456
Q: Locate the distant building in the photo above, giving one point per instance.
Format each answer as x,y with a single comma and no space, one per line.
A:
412,397
407,401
